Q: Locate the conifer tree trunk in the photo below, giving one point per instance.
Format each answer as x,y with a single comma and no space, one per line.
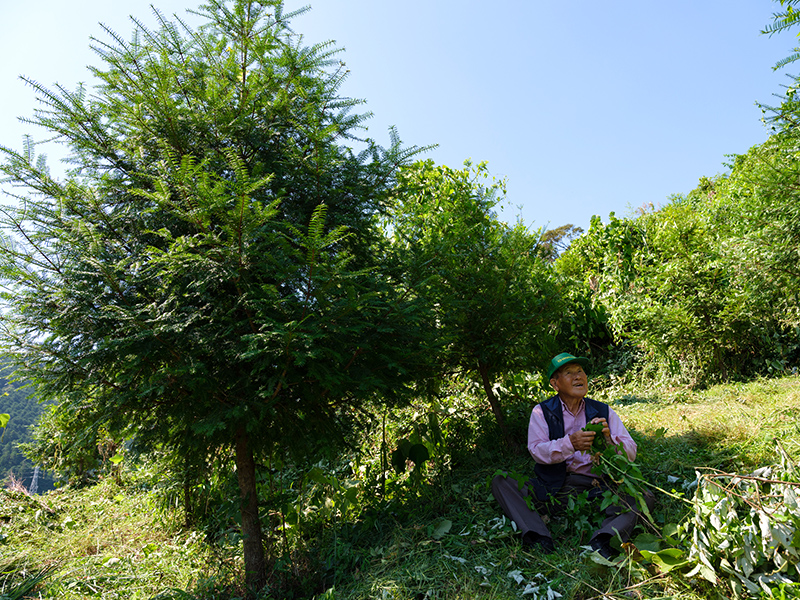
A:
254,561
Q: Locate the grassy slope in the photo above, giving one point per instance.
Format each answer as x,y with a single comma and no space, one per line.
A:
109,542
104,542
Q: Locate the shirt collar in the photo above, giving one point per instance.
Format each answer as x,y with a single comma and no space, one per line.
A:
581,407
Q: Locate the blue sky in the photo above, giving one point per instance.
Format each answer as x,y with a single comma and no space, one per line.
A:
584,107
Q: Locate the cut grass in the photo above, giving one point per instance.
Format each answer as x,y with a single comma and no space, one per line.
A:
101,542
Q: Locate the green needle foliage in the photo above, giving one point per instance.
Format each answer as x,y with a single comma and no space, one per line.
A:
205,278
781,21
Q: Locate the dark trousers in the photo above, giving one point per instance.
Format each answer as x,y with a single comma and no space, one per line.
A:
619,519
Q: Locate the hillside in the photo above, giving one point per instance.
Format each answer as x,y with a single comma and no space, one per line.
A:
448,540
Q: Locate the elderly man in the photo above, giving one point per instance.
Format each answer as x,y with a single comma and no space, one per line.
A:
561,449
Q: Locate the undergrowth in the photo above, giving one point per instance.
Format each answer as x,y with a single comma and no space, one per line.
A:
361,529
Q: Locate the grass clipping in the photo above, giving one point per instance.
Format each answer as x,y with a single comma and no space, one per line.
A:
746,529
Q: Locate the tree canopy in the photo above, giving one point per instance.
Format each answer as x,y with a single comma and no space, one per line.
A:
495,300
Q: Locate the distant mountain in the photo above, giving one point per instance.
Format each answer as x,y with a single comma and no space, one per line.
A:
17,401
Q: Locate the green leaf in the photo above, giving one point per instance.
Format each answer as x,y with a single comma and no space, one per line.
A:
351,495
399,461
671,533
116,459
317,476
667,559
647,542
596,427
609,499
704,571
4,419
441,529
404,446
418,454
599,441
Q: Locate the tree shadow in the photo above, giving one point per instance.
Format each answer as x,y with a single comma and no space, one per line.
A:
631,399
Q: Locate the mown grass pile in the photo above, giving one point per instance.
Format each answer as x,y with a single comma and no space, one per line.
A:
433,531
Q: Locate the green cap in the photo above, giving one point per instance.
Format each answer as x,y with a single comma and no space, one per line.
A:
564,359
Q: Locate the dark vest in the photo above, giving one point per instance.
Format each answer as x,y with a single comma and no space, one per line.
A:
550,478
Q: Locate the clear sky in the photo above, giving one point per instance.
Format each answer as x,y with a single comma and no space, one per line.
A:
585,107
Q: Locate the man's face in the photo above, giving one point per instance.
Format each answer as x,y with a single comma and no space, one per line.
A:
571,381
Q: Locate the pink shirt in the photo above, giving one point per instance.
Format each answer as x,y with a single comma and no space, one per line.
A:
547,451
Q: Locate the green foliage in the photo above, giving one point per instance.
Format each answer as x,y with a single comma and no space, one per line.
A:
581,515
223,294
599,441
748,250
612,463
782,21
100,541
10,589
493,300
759,197
406,451
445,534
20,411
63,444
553,242
615,465
680,287
586,325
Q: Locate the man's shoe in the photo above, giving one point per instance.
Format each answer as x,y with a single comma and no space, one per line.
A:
532,540
601,545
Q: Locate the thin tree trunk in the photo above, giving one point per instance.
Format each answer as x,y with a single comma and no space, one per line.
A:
495,404
254,562
187,501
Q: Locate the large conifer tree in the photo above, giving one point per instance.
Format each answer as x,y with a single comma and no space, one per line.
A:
204,277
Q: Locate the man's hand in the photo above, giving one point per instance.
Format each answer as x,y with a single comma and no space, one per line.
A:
582,440
606,430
